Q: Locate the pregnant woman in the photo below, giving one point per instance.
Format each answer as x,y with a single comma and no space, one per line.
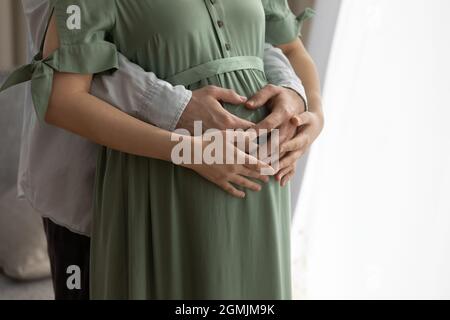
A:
162,231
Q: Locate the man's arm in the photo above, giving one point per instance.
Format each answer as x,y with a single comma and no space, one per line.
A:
142,94
73,108
280,72
205,103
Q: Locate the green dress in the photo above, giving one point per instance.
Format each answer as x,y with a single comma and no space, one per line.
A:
162,231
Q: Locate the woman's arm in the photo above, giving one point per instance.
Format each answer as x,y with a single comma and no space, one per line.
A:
310,123
73,108
306,69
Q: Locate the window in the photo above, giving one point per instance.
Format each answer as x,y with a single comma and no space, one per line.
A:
373,219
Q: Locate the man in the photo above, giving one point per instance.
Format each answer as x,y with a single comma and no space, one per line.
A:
57,168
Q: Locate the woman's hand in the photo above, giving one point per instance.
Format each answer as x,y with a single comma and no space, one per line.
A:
230,177
310,125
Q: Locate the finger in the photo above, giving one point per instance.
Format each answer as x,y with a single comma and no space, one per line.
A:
291,159
236,135
269,153
272,121
298,143
287,132
230,121
244,182
287,178
301,119
229,188
284,171
239,140
259,166
252,174
266,149
262,97
282,155
273,160
253,146
228,96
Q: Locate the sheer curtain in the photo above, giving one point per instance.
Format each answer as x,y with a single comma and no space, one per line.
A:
12,35
318,38
374,211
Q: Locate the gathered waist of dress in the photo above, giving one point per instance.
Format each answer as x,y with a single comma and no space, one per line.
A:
216,67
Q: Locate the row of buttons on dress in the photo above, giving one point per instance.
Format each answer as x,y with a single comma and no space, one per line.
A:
221,24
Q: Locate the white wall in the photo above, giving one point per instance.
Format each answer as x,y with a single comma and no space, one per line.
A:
374,212
319,34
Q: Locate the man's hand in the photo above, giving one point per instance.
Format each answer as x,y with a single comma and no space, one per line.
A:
284,104
205,105
310,125
298,129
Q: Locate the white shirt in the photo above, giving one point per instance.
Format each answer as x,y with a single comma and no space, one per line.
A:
56,168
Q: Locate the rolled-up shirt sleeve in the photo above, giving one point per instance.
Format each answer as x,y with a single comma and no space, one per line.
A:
130,88
279,71
142,95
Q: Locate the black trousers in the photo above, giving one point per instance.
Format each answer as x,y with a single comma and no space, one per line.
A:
69,259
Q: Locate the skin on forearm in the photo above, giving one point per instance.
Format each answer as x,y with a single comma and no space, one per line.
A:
306,69
83,114
72,108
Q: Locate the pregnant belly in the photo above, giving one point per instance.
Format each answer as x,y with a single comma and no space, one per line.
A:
200,195
176,190
243,74
245,83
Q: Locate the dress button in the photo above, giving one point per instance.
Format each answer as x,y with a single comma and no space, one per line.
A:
220,23
227,46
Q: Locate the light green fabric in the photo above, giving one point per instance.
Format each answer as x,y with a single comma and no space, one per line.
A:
161,231
101,56
76,47
282,26
214,67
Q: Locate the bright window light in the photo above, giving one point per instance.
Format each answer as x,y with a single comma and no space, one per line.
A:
373,219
